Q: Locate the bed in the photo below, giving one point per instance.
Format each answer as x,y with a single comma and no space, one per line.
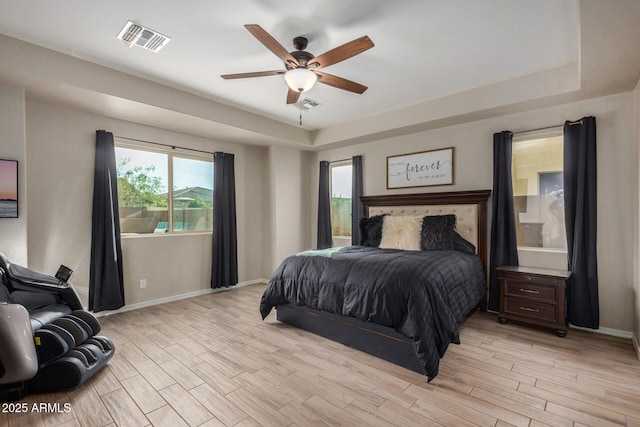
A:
403,306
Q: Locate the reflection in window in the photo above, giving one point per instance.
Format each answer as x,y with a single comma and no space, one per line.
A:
538,193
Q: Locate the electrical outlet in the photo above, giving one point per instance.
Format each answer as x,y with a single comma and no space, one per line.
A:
143,283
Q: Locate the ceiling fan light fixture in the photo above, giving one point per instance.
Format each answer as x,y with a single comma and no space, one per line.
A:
300,79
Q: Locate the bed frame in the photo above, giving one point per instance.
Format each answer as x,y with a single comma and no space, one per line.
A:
470,208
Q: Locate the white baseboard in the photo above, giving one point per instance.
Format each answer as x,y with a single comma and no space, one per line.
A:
606,331
636,345
165,300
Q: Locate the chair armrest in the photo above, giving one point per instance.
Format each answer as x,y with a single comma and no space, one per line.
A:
29,285
18,353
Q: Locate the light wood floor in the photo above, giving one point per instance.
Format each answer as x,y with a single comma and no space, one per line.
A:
212,361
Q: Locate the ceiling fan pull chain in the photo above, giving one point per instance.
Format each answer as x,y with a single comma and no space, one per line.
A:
300,105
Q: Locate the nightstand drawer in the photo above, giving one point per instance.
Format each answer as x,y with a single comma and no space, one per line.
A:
531,291
530,278
531,309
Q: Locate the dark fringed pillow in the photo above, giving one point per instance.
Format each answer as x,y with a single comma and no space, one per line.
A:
461,244
371,230
437,232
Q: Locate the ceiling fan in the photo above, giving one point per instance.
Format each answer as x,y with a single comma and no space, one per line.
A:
302,68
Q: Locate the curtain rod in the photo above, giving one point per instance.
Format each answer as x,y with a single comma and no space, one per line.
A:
341,160
577,122
173,147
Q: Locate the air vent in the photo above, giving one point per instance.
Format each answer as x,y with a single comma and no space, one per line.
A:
306,104
135,34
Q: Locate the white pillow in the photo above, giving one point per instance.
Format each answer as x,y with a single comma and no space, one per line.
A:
401,232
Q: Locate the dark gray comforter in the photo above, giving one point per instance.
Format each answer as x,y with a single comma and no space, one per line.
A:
421,294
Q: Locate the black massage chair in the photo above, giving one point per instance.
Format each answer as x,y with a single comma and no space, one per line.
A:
47,341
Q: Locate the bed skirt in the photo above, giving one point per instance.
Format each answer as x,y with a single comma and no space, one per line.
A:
377,340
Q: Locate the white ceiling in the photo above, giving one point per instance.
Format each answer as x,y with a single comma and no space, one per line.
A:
427,52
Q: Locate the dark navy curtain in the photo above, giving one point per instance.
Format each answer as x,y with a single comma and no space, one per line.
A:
504,246
357,210
224,270
324,208
580,209
106,284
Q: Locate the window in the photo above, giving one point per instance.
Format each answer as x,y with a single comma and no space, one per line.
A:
162,192
538,193
341,199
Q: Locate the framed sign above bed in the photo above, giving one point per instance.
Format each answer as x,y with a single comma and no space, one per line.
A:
426,168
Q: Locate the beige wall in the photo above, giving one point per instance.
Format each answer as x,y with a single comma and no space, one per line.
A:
13,231
288,207
60,155
473,170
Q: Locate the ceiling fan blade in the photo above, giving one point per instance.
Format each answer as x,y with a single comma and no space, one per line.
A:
341,53
340,82
255,74
271,44
293,96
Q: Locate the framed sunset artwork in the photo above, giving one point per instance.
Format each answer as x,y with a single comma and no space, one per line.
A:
8,188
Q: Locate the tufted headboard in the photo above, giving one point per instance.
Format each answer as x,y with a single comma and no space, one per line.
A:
466,216
470,208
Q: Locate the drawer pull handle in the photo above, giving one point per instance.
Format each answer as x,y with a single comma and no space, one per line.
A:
535,310
529,291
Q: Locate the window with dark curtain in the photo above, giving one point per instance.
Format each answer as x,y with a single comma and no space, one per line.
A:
580,215
224,271
106,284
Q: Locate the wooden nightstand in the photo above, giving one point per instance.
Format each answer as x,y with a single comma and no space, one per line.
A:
535,296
